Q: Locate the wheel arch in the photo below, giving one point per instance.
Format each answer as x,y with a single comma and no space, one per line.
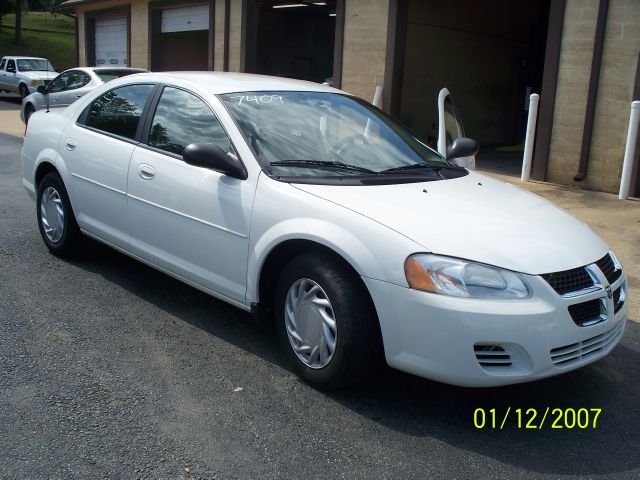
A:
281,254
43,169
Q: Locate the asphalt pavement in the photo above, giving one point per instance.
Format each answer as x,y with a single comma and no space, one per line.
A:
110,369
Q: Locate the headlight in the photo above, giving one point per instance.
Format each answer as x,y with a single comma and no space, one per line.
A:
459,278
35,83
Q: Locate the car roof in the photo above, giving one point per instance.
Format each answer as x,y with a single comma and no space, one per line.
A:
21,57
228,82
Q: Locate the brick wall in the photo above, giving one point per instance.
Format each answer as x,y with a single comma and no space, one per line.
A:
365,43
139,34
621,46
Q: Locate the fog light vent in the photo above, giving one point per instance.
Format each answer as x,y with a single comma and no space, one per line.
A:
492,356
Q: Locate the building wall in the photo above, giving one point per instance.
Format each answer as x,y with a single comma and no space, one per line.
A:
139,34
621,46
82,43
218,41
235,35
365,43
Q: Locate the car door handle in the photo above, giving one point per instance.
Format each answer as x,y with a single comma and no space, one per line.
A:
146,172
78,96
70,144
55,99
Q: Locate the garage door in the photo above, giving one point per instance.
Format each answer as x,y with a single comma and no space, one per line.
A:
111,41
185,19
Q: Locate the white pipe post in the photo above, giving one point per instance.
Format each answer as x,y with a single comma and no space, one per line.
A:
377,101
632,139
377,96
531,134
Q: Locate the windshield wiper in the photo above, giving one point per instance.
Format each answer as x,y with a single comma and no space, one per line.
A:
415,166
322,163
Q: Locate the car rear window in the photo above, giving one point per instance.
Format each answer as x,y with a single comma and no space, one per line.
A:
108,75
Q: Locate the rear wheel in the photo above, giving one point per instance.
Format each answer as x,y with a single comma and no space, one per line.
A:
56,220
326,322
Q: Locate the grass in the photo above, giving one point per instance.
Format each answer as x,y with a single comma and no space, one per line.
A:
57,42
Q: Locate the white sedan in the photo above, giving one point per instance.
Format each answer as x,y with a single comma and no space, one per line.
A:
307,205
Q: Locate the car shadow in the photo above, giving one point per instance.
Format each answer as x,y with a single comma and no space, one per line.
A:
420,408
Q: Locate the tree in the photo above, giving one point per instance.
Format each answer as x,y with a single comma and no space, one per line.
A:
18,38
7,6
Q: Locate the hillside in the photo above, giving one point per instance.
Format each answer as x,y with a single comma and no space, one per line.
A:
45,35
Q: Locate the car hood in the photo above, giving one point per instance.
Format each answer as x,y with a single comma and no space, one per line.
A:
476,218
39,75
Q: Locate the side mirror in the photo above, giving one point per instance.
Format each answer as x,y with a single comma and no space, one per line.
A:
462,147
209,155
42,89
11,69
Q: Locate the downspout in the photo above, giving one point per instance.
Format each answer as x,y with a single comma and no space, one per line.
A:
225,53
596,62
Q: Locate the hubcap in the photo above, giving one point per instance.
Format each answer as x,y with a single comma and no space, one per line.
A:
310,323
52,214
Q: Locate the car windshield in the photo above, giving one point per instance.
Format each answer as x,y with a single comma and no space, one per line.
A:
326,134
108,75
34,64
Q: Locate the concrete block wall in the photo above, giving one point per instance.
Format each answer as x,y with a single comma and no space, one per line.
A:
615,87
365,43
139,34
576,51
615,90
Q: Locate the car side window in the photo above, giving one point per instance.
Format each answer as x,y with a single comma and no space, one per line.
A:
4,60
59,83
11,65
180,119
77,79
119,110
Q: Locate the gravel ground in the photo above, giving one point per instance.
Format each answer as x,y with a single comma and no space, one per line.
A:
109,369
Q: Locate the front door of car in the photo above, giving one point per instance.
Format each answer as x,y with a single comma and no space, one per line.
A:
450,127
11,77
96,151
191,221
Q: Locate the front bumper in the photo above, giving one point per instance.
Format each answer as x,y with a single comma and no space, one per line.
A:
446,338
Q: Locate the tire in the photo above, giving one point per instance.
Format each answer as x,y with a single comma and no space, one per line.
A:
358,350
65,239
23,91
28,110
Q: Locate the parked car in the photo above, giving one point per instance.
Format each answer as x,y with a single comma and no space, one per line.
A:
69,86
23,75
305,204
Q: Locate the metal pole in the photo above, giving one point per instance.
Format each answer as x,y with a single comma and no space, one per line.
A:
531,133
632,138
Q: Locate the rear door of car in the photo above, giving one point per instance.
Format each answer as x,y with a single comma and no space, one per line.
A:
97,149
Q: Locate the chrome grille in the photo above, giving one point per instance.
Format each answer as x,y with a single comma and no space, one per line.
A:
587,313
608,267
569,280
619,297
568,355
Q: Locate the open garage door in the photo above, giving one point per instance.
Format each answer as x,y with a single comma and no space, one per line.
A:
183,41
291,39
489,54
111,41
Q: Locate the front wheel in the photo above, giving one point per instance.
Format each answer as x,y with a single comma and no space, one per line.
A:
326,322
56,220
